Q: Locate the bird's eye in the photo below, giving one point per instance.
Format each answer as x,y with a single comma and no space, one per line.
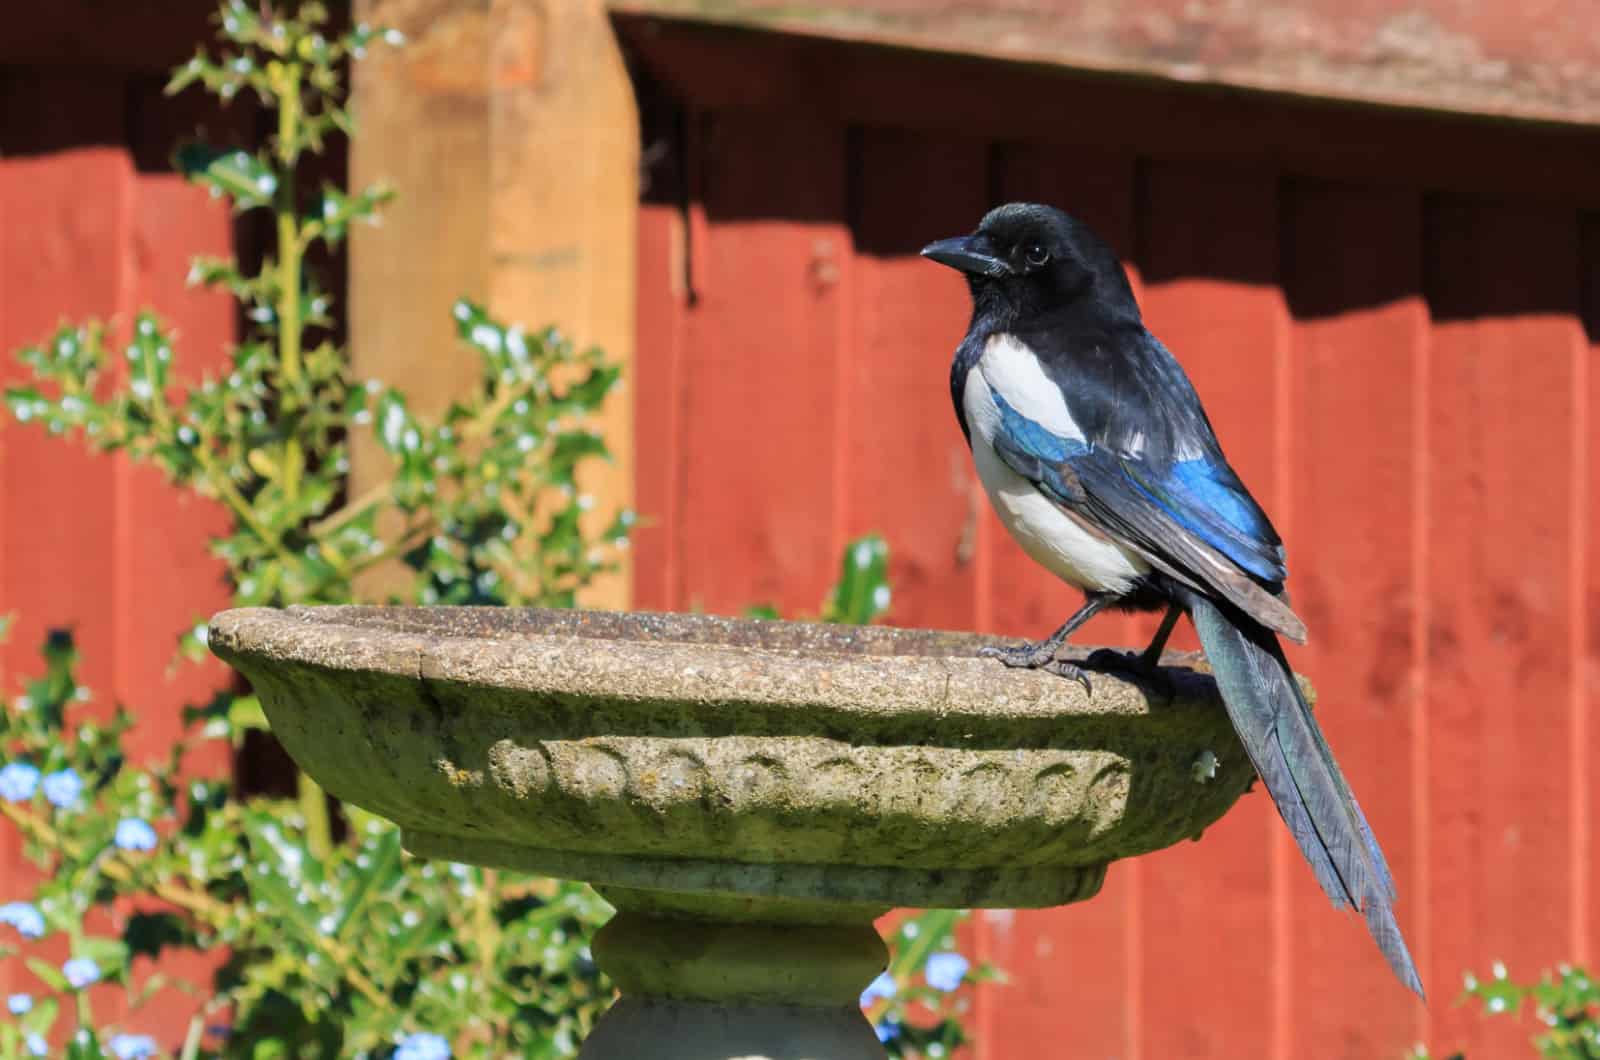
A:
1036,254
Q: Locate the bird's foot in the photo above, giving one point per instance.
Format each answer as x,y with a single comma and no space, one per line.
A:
1026,656
1140,666
1040,656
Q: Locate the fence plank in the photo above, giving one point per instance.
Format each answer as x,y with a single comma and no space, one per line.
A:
1359,320
1502,284
166,577
1586,637
1211,945
63,255
910,473
761,364
658,401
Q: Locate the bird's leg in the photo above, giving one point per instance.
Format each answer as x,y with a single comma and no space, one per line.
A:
1150,658
1042,655
1148,662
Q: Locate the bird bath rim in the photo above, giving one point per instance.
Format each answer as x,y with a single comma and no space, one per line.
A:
667,753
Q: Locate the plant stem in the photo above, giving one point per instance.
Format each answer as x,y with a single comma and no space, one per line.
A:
285,206
319,831
314,807
407,538
352,509
230,495
484,926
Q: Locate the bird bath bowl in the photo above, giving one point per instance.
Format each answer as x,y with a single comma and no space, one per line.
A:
749,795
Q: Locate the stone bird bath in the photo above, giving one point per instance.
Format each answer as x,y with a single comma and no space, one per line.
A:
749,795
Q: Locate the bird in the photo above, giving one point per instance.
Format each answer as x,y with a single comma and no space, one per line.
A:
1100,461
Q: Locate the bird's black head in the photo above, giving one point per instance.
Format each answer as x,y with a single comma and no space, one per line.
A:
1026,259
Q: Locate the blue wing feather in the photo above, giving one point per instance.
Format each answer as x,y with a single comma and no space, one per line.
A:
1033,438
1203,496
1207,499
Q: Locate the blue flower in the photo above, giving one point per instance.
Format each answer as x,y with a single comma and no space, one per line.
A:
25,917
423,1046
17,781
888,1030
134,834
36,1045
883,986
133,1046
944,971
63,789
80,972
19,1004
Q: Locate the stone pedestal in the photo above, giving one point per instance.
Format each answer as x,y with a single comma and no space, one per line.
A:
710,978
749,795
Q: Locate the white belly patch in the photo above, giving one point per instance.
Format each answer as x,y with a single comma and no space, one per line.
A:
1050,536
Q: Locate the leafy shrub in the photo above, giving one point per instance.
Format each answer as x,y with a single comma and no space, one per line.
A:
1566,1002
323,945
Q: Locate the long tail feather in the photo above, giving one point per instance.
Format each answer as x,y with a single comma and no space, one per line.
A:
1297,766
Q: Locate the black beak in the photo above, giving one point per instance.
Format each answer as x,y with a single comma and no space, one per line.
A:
967,254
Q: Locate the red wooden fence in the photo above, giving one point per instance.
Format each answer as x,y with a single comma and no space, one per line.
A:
92,226
1386,322
1385,313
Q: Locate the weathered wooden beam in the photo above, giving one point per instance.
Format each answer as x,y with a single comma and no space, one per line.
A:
1538,62
510,129
719,67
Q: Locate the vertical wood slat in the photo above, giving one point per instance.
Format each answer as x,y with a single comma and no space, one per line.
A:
89,541
1503,286
1212,931
1358,318
759,408
1586,919
62,256
69,218
658,400
167,578
911,477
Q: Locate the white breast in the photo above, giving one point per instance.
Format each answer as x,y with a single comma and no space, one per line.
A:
1054,539
1012,371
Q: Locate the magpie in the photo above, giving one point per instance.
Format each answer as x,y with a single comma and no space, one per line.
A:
1098,457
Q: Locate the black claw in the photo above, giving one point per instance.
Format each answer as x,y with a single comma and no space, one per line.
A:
1062,668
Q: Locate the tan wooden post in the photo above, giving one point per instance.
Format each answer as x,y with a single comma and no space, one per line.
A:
510,130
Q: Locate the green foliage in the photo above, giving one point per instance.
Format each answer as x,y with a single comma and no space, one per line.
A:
862,591
333,956
1566,1003
325,945
861,595
332,949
